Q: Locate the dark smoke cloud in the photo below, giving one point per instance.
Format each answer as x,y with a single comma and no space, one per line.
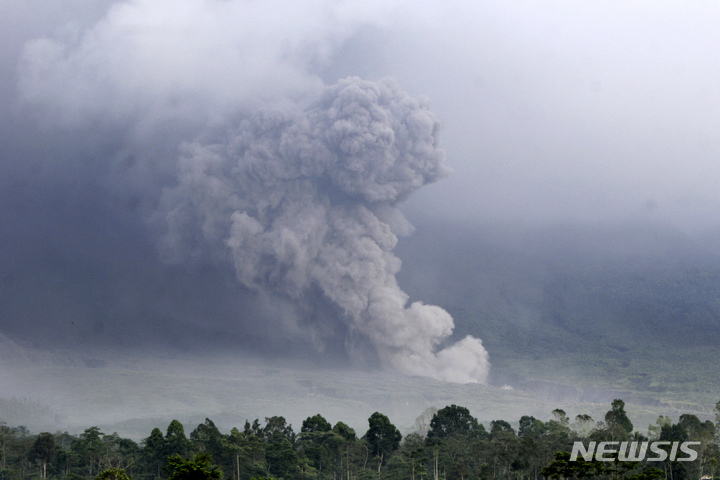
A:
305,200
276,236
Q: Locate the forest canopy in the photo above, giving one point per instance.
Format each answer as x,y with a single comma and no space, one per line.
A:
452,445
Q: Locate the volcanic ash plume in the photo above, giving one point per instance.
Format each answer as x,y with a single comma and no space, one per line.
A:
305,201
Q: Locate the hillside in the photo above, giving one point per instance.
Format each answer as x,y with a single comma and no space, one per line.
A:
630,310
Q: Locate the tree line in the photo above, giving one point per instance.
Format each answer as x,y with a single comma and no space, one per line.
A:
448,444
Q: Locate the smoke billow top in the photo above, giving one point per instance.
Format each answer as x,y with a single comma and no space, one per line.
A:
303,201
300,198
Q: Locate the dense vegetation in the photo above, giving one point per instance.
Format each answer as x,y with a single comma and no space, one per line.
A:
448,443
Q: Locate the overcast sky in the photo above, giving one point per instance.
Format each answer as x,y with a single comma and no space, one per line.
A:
587,112
551,110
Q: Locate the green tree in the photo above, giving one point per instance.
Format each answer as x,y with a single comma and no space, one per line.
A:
654,430
281,458
560,416
277,427
531,427
583,425
89,449
413,448
348,448
6,434
154,449
382,436
65,459
717,422
558,437
20,448
504,448
113,474
454,421
208,438
708,452
176,443
252,449
314,424
43,451
119,453
675,433
562,468
498,427
617,418
319,443
345,432
199,467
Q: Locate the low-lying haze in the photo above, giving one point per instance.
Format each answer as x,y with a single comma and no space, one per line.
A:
126,124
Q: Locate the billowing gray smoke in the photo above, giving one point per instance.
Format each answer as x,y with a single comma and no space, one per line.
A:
304,200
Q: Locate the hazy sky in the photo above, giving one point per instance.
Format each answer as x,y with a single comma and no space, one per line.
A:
589,112
551,110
